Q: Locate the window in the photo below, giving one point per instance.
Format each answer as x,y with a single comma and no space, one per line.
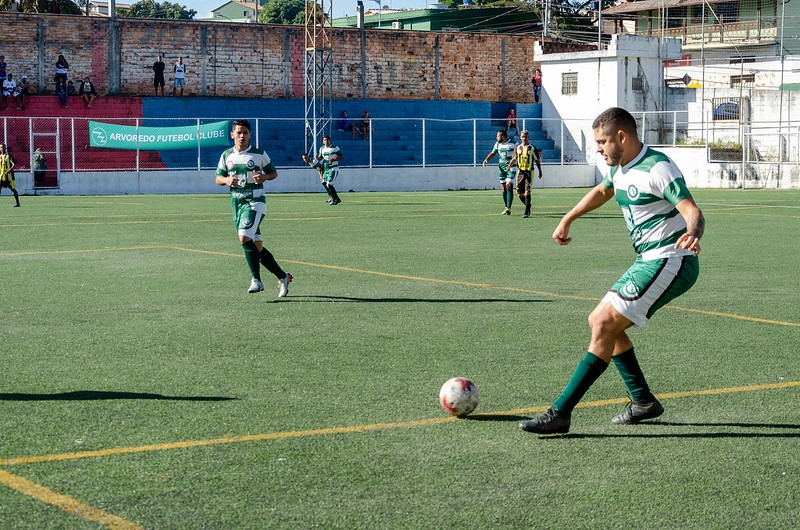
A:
637,84
727,11
569,83
676,17
744,81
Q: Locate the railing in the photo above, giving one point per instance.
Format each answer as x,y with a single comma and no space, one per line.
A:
66,145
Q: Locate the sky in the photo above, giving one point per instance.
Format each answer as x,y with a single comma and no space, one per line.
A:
341,8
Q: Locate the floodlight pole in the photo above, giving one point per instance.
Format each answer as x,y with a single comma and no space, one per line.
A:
318,72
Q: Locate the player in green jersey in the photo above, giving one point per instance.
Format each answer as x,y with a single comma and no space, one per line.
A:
245,168
665,226
505,149
525,156
328,160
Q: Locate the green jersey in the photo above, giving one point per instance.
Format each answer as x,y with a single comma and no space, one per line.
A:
647,189
243,164
505,152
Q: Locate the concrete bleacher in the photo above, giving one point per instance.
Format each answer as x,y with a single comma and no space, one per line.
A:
397,139
448,131
42,111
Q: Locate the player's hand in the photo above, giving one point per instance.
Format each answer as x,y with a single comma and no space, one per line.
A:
233,182
561,235
689,242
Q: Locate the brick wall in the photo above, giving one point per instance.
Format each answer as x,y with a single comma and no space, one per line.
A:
267,61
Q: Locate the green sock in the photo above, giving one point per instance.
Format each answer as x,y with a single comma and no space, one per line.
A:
587,372
252,258
632,375
510,198
505,198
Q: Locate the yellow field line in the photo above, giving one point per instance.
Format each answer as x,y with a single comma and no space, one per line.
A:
362,428
418,278
114,522
68,504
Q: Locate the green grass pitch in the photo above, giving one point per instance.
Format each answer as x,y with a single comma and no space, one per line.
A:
142,387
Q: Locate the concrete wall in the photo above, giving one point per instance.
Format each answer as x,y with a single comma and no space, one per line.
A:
305,180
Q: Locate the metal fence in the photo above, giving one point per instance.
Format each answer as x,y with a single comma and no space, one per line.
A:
52,146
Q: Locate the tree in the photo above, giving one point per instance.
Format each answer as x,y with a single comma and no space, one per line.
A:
153,9
283,12
67,7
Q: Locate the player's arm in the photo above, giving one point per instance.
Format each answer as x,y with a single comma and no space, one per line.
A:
489,157
595,198
537,156
268,172
695,225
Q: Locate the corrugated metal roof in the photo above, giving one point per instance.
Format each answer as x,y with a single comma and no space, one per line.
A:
647,5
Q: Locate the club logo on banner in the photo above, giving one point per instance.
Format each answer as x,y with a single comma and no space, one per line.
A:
113,136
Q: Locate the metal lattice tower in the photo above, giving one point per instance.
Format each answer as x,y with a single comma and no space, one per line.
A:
319,71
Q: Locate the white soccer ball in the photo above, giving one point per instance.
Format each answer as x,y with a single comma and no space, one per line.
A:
459,396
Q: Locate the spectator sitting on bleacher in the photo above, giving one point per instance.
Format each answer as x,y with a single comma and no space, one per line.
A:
61,90
512,121
366,125
346,125
9,91
70,89
87,91
24,93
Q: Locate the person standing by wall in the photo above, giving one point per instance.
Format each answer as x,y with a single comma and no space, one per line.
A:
179,71
62,67
7,173
3,74
537,86
245,168
158,77
505,149
525,155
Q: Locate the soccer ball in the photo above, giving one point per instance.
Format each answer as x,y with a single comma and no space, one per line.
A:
459,396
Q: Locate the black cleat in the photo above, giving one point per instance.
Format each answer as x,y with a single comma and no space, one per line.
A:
550,421
638,411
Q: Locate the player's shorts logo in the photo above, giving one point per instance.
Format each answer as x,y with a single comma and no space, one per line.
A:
633,192
630,290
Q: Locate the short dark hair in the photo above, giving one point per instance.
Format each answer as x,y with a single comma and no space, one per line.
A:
326,136
616,118
241,123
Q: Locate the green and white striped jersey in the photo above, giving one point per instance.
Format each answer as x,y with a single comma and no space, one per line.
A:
647,189
327,152
505,150
243,164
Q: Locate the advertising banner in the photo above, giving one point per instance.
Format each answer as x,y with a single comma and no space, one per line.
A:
113,136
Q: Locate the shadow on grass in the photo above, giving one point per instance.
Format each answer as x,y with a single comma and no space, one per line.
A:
407,300
717,434
89,395
496,417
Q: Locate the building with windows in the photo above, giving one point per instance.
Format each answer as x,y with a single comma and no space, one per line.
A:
235,11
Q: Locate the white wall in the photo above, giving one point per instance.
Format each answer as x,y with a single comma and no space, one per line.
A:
305,180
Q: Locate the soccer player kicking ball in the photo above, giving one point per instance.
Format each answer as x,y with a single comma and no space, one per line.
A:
245,169
665,226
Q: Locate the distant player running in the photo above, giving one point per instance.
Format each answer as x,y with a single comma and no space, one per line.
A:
329,157
505,149
7,173
245,168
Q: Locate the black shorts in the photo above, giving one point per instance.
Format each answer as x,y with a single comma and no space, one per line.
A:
158,80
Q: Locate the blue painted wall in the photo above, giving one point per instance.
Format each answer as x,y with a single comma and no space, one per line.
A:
398,142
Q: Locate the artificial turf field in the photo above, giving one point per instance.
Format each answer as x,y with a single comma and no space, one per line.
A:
142,387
